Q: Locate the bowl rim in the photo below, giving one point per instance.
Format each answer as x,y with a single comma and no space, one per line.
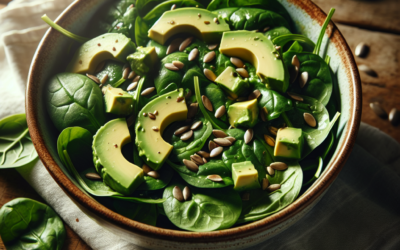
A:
312,194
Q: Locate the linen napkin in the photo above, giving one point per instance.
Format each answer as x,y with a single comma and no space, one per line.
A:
361,210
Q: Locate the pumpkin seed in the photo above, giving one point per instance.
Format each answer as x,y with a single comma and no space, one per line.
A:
147,91
171,66
248,136
207,103
185,43
220,111
394,117
178,64
210,75
231,139
223,142
310,120
173,7
367,70
245,196
295,96
181,130
262,115
125,73
279,165
204,154
237,62
186,136
187,195
242,72
152,116
265,183
378,110
270,170
177,193
193,54
136,79
174,45
209,57
154,128
273,130
303,79
92,77
219,133
100,67
214,177
196,125
93,176
266,29
216,151
254,95
212,46
361,50
197,159
146,169
269,140
211,145
191,165
131,75
273,187
192,110
154,174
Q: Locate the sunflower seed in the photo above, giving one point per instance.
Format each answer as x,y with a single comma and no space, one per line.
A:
192,110
231,139
187,195
295,96
196,125
237,62
191,165
270,170
269,140
126,65
367,70
248,136
174,46
147,91
378,110
188,94
223,142
177,193
265,183
216,20
100,67
193,54
155,112
197,159
220,111
136,79
303,79
211,145
216,151
219,133
209,57
204,160
310,120
262,114
95,79
178,64
93,176
131,75
273,130
246,196
207,103
242,72
154,174
152,116
154,128
204,154
210,75
181,130
214,177
104,79
212,46
394,117
273,187
180,98
173,7
125,73
361,50
279,165
254,95
295,61
146,169
186,136
171,66
266,29
185,43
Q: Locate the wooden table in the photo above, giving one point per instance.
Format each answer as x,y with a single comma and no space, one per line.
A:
375,23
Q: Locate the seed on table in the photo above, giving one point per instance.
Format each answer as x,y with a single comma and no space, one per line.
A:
104,79
191,165
93,176
154,174
177,193
394,117
209,57
361,50
223,142
146,169
174,46
187,195
279,165
171,66
219,133
378,110
216,151
295,96
186,136
367,70
220,111
310,120
185,43
242,72
273,187
204,154
125,73
273,130
193,54
265,183
95,79
211,145
207,103
181,130
210,75
196,125
136,79
237,62
152,116
147,91
197,159
248,136
192,110
100,67
214,177
269,140
231,139
270,170
246,196
212,46
254,95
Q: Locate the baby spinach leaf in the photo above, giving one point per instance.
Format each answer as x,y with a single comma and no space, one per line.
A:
141,28
276,32
282,40
75,100
113,70
29,224
144,6
208,210
124,23
157,11
161,50
145,213
16,147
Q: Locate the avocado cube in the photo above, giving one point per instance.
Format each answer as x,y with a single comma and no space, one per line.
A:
118,102
243,114
244,176
143,60
289,143
232,83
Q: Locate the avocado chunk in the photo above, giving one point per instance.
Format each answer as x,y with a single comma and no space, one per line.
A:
170,107
244,176
243,114
118,173
232,83
259,51
118,101
289,143
143,60
195,21
109,46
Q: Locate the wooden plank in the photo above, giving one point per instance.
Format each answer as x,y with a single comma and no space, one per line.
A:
384,58
377,15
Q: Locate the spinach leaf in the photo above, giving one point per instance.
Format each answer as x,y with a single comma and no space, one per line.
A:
74,149
75,100
145,213
16,147
208,210
153,15
114,71
124,23
144,6
161,50
276,32
141,28
282,40
29,224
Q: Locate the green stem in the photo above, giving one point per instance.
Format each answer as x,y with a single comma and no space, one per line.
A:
317,173
322,33
119,82
327,59
288,122
79,39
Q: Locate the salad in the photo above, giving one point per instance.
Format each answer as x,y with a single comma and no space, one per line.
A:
194,115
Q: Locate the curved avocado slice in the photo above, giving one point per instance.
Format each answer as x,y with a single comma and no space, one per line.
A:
118,173
259,51
198,22
109,46
170,107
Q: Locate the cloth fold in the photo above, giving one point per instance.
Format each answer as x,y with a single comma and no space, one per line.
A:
361,210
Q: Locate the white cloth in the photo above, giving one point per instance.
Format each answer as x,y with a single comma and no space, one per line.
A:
360,211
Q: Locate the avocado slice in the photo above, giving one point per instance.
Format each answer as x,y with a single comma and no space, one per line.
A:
259,51
244,176
170,107
118,173
289,143
118,101
230,81
243,114
143,60
195,21
109,46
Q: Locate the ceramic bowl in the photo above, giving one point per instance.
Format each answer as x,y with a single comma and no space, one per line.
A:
47,61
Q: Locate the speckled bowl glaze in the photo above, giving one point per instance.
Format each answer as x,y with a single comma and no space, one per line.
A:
308,19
